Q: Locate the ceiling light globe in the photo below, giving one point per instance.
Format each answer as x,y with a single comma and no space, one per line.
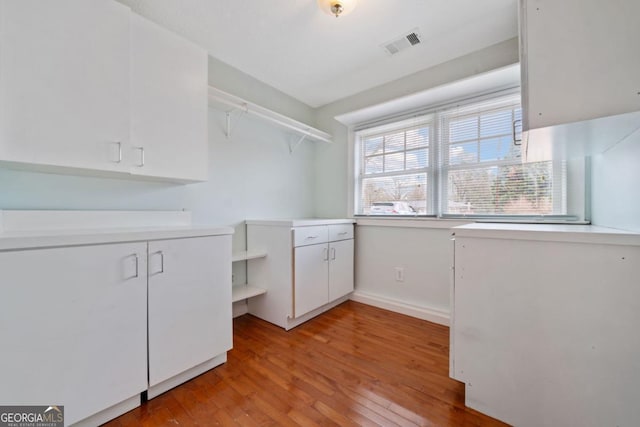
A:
337,7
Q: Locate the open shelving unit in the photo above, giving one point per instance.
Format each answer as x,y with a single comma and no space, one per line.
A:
246,291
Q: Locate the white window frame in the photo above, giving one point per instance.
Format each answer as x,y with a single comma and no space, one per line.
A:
435,172
397,126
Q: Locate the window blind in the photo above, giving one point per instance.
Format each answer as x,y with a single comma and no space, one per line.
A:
481,169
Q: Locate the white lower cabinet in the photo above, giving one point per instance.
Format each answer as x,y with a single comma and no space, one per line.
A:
189,304
309,268
73,327
74,319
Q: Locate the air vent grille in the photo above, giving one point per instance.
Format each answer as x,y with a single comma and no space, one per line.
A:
411,38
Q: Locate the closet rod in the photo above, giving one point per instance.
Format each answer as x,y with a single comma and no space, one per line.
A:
222,97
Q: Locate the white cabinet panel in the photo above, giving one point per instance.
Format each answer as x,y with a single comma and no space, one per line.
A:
340,268
544,330
73,327
310,235
340,232
64,81
311,276
168,104
189,304
579,60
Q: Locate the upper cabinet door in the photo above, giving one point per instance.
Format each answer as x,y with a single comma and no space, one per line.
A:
169,104
579,60
64,80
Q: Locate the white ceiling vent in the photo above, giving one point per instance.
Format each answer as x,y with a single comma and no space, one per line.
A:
411,38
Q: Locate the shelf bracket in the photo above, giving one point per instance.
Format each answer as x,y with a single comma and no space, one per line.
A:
292,148
245,109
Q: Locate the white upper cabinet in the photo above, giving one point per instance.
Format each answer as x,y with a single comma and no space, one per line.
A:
91,87
579,60
64,79
168,104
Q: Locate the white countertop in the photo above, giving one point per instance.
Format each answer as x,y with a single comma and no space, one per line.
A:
45,229
550,232
12,240
302,222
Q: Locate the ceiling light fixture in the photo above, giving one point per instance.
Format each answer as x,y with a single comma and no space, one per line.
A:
337,7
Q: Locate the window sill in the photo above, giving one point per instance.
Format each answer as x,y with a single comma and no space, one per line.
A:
410,222
434,222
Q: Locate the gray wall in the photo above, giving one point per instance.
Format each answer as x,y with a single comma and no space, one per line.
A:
615,186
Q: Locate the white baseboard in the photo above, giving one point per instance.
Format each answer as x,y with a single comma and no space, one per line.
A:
425,313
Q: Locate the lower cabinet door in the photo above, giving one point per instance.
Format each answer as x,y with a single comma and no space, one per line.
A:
311,277
73,327
189,303
340,269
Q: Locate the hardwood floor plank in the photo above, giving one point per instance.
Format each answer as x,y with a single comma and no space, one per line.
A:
355,365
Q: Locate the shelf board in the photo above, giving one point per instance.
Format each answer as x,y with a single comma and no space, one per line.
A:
241,292
245,255
217,96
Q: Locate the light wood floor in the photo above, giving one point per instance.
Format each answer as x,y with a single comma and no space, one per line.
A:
354,365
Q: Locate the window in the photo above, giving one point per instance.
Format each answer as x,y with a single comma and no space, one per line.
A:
395,171
458,161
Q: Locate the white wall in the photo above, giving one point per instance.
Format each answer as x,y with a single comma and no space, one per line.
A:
615,181
426,256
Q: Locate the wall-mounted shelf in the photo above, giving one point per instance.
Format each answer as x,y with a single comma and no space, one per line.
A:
245,255
242,292
219,97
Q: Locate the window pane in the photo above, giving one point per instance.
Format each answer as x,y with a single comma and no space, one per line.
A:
418,158
373,146
496,123
498,149
394,142
398,195
518,189
417,138
394,162
373,165
463,153
463,130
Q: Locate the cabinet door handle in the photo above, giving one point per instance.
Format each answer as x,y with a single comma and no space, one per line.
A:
161,261
514,124
325,254
342,233
136,275
141,164
312,237
333,253
119,143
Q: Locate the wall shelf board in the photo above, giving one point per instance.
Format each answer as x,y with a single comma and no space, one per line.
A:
246,255
231,103
242,292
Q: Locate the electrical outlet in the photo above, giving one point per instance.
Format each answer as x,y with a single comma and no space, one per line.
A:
399,274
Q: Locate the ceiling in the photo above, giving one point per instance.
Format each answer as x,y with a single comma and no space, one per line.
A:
316,58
